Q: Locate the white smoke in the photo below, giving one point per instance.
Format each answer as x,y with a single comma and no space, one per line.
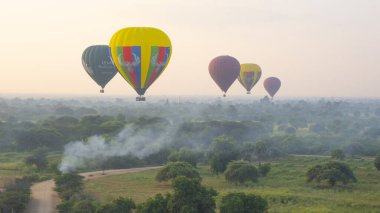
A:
128,142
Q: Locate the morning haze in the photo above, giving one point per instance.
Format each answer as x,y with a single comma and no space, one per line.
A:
317,48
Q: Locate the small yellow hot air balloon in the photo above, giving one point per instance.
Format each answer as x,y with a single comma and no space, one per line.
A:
249,75
140,54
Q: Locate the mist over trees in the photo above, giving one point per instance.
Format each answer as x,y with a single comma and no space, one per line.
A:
187,129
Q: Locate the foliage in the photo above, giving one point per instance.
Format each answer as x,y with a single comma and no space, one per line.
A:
261,151
264,169
158,204
223,150
68,184
332,173
377,162
185,155
38,158
39,137
191,197
121,204
240,172
243,203
337,154
175,169
16,196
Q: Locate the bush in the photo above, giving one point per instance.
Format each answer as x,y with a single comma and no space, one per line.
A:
377,162
185,155
16,196
191,197
264,169
337,154
68,184
158,204
223,151
331,173
173,170
243,203
240,172
121,204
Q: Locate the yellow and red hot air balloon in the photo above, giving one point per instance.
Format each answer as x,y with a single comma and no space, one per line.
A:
141,54
249,76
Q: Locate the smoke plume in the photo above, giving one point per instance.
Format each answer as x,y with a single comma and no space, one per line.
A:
130,141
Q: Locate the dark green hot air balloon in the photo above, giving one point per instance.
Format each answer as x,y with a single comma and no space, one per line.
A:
98,63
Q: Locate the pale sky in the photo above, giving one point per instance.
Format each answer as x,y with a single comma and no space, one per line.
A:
316,47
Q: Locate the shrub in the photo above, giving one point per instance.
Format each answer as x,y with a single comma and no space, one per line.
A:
240,172
243,203
264,169
175,169
331,173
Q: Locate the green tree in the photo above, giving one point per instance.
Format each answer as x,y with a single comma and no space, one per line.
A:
38,158
240,172
158,204
185,155
39,137
337,154
175,169
223,150
119,205
261,151
331,173
84,206
264,169
68,184
377,162
243,203
191,197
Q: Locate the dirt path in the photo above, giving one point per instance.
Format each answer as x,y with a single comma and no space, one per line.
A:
44,199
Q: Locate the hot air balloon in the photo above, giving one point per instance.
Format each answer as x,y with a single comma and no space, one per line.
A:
249,75
272,85
141,54
224,70
98,63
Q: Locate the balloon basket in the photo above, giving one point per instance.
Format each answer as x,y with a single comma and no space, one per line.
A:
140,98
102,91
224,95
248,92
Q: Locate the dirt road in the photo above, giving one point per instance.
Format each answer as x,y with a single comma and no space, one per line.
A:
44,199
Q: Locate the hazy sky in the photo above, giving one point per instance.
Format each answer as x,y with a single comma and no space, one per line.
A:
316,47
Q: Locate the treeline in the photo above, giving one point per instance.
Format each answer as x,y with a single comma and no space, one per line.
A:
290,127
16,195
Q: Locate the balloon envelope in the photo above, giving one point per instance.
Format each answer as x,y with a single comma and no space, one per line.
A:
249,76
224,70
98,64
141,54
272,85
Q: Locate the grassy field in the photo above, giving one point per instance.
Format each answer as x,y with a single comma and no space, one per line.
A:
12,165
284,188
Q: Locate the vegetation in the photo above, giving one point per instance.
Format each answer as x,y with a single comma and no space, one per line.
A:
377,162
121,204
331,173
284,188
185,155
191,197
158,204
241,172
175,169
38,158
223,150
16,195
264,169
243,203
337,154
